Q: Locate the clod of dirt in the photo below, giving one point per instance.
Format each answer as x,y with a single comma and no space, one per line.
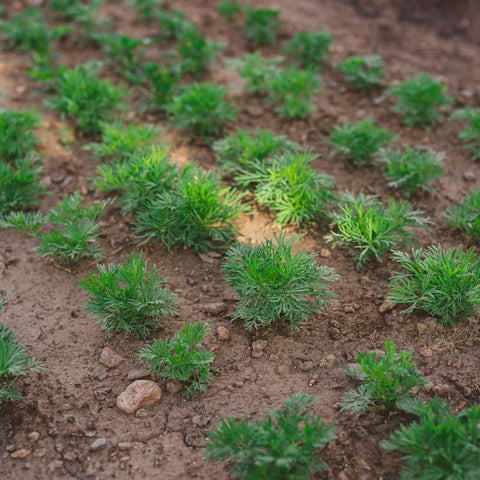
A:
223,333
214,309
304,364
34,436
174,387
387,306
109,358
325,253
258,347
21,453
141,393
200,420
123,446
137,374
469,176
427,326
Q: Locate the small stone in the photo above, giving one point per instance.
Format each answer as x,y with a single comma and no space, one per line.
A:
109,358
426,352
57,177
40,452
258,347
325,253
328,361
98,444
223,333
140,393
34,436
191,281
304,364
441,389
254,111
101,375
427,326
174,387
21,453
123,446
200,421
70,456
387,306
141,413
205,258
213,309
137,374
469,176
349,309
55,465
101,394
379,100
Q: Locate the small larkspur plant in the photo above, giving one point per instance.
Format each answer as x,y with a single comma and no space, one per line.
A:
174,24
363,72
128,297
284,445
466,216
439,445
359,141
310,49
420,100
369,230
274,283
443,283
262,25
230,9
162,85
412,170
385,379
183,359
147,8
470,136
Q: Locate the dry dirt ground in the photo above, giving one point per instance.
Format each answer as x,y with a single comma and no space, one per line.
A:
72,403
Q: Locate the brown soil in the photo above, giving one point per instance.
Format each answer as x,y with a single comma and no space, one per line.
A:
70,406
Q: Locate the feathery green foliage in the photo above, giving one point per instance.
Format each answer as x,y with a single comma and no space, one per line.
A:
262,25
128,297
385,379
89,100
470,136
19,184
196,53
14,363
28,223
163,82
230,9
420,100
443,283
183,359
440,445
126,52
81,13
237,152
201,110
412,170
17,138
369,230
121,141
256,70
466,216
287,185
275,284
198,212
174,24
310,49
284,445
363,72
292,91
147,8
359,141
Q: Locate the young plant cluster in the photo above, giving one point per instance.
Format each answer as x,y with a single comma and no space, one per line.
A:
310,50
363,72
470,136
274,283
262,25
466,216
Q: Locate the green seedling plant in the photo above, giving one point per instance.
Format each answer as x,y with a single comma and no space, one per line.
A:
412,170
420,100
292,91
439,445
81,13
28,223
443,283
121,141
284,445
128,297
146,8
183,359
385,379
126,52
196,53
288,186
470,136
230,9
262,25
202,111
15,363
198,213
19,184
466,216
89,100
369,230
359,141
310,49
162,85
174,24
256,70
17,136
363,72
235,153
275,284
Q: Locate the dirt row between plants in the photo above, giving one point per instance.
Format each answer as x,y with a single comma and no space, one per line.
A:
72,403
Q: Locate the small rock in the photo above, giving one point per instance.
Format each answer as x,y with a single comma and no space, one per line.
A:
200,421
174,387
349,309
258,347
102,394
101,375
426,352
191,281
123,446
21,453
205,258
141,413
223,334
141,393
379,100
254,111
469,176
57,177
304,364
325,253
34,436
328,361
98,444
109,358
387,306
427,326
213,309
195,438
467,93
40,452
70,456
137,374
55,465
441,389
